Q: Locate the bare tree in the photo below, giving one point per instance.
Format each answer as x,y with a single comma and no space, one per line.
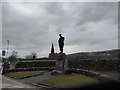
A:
13,59
33,56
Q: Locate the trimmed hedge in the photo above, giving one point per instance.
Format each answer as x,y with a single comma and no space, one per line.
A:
30,69
103,65
33,64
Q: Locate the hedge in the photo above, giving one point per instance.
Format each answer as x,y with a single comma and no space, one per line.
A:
104,65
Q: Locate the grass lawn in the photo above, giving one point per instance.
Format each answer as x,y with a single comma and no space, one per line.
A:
68,80
24,74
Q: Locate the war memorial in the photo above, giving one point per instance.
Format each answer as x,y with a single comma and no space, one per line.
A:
61,62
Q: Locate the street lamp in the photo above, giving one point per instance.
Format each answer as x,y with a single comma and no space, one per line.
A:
7,47
7,60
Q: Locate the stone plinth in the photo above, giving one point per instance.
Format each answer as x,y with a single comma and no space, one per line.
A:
61,63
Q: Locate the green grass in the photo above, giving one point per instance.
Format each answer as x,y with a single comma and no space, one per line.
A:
24,74
68,80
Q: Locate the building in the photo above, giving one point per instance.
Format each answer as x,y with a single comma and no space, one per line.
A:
52,55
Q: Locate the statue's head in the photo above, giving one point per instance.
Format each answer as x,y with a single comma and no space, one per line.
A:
60,35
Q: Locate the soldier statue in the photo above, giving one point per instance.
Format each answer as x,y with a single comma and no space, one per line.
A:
61,43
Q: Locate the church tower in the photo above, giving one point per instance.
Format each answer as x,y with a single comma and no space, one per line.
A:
52,55
52,49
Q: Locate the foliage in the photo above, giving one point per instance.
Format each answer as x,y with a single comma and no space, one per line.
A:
15,54
13,59
104,65
33,56
34,64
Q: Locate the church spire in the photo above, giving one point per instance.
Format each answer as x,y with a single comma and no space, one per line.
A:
52,49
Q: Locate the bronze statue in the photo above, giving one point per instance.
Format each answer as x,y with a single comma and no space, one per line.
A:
61,43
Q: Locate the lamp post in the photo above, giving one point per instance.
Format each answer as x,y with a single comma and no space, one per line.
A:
7,47
7,60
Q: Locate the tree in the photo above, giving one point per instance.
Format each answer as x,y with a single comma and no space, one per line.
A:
14,53
13,59
13,56
33,56
28,57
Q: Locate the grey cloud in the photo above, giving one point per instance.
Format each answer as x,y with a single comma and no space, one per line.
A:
54,8
78,22
94,12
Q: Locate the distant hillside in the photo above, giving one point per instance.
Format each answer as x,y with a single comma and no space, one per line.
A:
100,55
102,60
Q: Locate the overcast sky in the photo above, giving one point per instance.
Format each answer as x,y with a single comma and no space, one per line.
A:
33,26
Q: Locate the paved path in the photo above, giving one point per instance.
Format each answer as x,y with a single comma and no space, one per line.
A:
9,83
24,83
36,78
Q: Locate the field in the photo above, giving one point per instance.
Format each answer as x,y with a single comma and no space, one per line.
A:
68,80
24,74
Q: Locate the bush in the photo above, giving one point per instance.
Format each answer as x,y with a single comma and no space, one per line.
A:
69,71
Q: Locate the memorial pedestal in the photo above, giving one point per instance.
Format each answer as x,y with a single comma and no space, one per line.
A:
61,64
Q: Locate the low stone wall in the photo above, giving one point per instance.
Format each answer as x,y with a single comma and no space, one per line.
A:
92,74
